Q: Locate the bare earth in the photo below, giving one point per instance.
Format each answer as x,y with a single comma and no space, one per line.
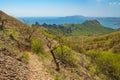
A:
37,70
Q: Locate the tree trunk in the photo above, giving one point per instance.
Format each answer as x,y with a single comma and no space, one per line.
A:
2,26
57,64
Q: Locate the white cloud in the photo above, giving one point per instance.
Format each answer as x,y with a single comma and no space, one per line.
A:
114,3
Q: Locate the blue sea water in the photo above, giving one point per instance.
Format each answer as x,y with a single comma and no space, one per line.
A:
107,22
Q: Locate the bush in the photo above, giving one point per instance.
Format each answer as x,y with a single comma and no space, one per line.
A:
78,48
24,58
59,77
107,63
116,49
66,56
12,32
36,46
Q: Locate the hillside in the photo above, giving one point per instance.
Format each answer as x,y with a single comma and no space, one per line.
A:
108,42
10,65
91,27
15,51
29,53
44,52
88,28
100,50
10,21
103,52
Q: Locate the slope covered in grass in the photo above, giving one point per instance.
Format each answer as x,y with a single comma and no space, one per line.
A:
88,28
19,42
108,42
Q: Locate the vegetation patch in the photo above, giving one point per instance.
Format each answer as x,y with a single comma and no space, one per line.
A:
58,76
24,57
105,63
66,56
36,46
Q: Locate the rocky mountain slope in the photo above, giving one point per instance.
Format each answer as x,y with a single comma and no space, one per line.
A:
10,68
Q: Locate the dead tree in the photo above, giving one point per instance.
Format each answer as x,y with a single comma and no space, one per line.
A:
2,22
27,32
49,44
30,32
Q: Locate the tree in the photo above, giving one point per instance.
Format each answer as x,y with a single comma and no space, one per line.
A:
3,22
30,32
52,48
27,32
60,39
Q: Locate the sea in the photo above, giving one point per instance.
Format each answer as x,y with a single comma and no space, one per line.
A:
110,22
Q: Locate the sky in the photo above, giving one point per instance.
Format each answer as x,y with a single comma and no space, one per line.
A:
53,8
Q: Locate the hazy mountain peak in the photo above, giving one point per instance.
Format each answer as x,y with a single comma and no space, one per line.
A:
75,16
91,22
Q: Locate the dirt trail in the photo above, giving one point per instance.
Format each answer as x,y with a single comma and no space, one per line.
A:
37,70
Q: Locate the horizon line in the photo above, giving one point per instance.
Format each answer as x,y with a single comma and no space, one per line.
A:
68,16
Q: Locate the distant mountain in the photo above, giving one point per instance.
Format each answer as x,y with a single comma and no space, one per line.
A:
89,27
75,17
53,20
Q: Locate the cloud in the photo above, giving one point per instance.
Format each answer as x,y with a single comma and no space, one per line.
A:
114,3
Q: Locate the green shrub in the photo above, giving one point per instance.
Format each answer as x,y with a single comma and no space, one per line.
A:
24,58
12,32
59,77
116,49
107,63
36,46
66,56
78,48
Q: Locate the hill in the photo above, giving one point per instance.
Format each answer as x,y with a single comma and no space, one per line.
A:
30,53
88,28
41,52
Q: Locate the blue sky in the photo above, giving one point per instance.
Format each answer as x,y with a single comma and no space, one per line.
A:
102,8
